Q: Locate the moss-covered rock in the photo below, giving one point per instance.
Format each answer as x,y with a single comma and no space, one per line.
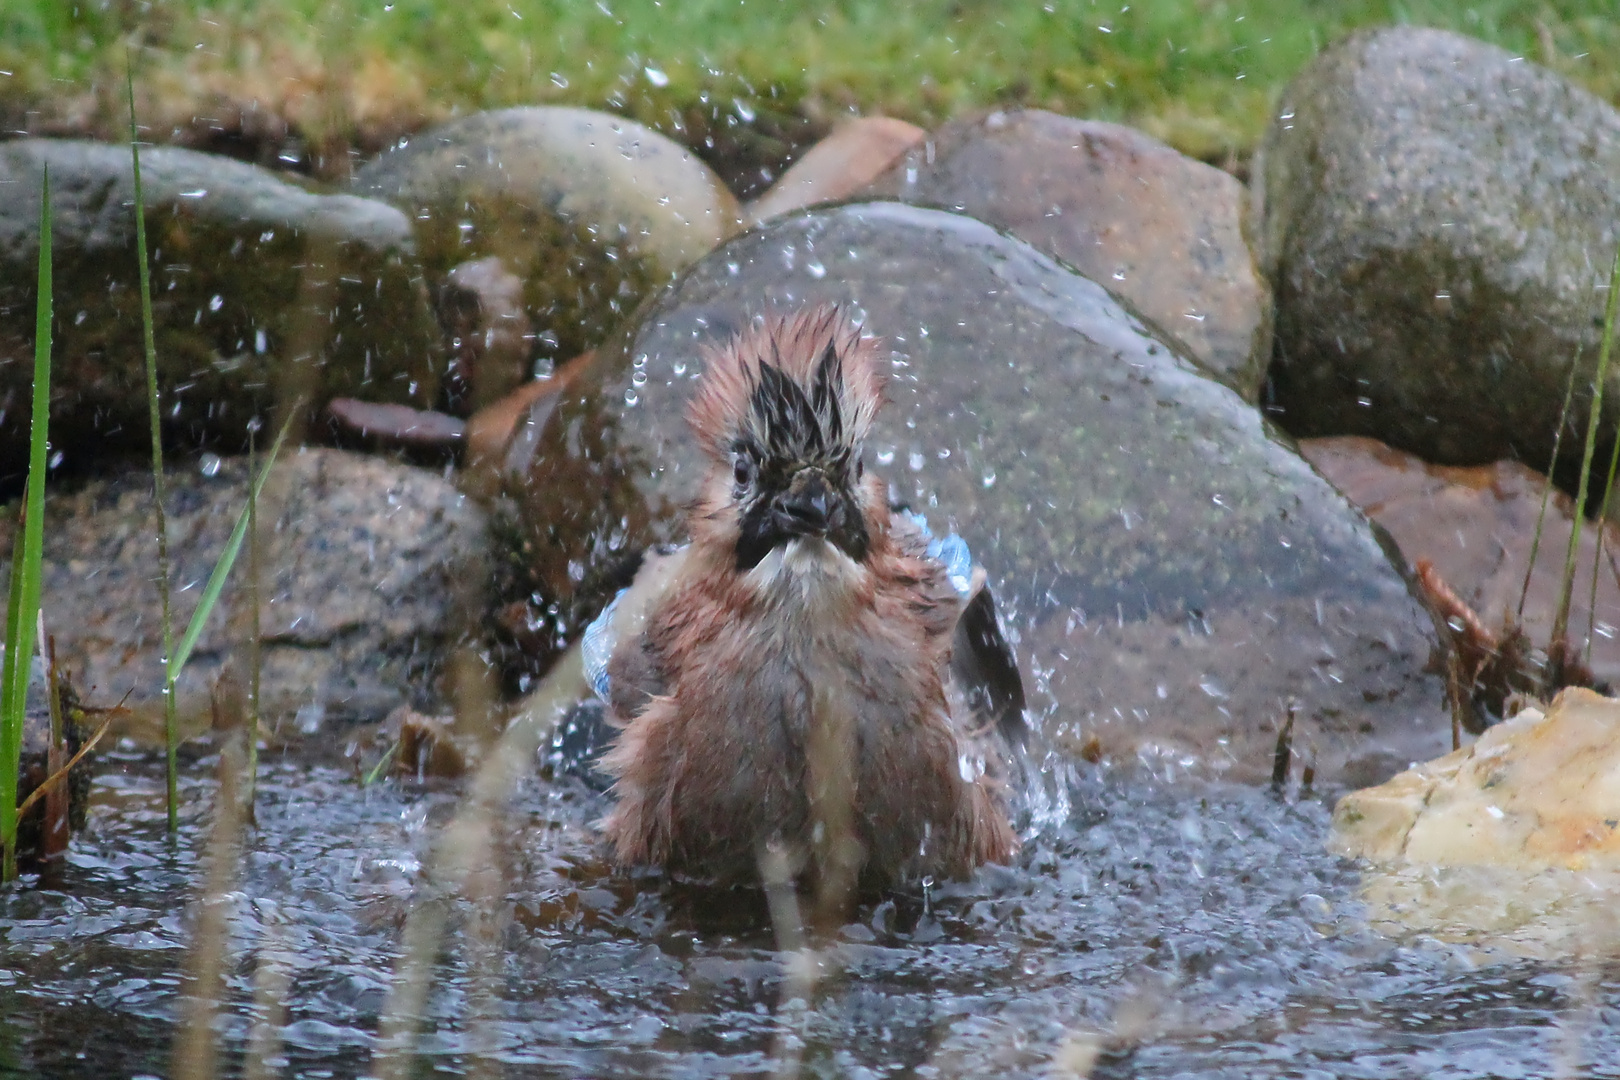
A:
1438,218
260,289
590,210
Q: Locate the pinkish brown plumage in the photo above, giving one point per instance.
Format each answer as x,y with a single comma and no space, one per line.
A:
795,675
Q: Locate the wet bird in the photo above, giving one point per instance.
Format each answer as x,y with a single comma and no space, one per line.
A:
814,678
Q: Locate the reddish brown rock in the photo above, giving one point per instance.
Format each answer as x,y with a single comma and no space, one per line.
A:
855,154
1159,229
1476,525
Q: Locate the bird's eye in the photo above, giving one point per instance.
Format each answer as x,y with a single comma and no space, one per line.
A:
742,471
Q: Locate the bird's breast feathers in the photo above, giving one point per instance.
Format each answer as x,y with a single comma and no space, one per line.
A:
809,573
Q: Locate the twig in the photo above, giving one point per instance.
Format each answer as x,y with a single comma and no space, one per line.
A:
55,777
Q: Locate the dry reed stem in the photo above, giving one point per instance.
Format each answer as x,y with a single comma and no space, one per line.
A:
461,848
271,978
195,1052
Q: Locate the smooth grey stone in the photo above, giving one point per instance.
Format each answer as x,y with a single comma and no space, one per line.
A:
1171,572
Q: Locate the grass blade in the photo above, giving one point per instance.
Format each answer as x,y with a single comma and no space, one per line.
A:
254,635
1546,488
1614,463
171,734
227,559
1560,631
26,558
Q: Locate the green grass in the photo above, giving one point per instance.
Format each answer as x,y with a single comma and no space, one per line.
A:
1201,74
171,735
22,604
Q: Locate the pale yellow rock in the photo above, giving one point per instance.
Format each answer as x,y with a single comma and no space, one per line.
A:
1536,792
1511,844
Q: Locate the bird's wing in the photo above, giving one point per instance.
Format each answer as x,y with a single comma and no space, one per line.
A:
983,666
623,667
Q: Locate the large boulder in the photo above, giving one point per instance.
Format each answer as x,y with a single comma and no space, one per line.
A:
589,210
1157,228
260,290
1438,218
368,573
1171,572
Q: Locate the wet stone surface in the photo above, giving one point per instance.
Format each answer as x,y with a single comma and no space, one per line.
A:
588,209
1438,217
1171,573
261,290
1477,525
1200,928
363,563
1157,228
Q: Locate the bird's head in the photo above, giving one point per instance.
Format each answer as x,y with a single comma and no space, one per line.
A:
782,412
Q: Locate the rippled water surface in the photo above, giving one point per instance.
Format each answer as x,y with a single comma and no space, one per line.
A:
1198,929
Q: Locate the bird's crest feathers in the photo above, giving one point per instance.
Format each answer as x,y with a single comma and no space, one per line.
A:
801,387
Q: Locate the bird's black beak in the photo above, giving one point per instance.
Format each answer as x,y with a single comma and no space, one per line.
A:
809,507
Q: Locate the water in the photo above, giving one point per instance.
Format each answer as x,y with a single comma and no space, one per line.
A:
1189,928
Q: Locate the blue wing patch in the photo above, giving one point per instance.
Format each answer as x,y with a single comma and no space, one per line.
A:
596,647
951,550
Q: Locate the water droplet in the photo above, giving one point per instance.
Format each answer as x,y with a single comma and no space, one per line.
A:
631,398
656,77
56,459
216,302
915,461
559,80
1119,275
638,379
885,455
989,478
745,113
259,342
817,270
944,452
679,367
209,464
